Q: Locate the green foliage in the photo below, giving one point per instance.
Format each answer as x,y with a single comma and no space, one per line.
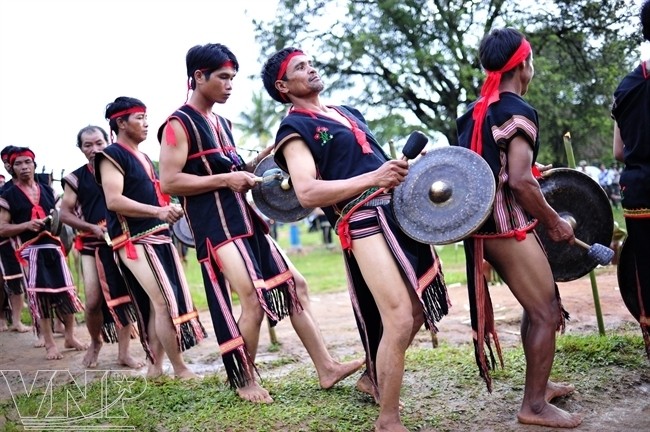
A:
418,59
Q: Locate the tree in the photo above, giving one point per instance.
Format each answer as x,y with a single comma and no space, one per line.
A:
261,122
419,58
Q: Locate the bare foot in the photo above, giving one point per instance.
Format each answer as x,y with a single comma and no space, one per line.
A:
20,328
339,372
185,374
3,326
550,416
393,427
556,390
90,359
73,342
154,371
40,343
255,393
130,362
364,385
52,353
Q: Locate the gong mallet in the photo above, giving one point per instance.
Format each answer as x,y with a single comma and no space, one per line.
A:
274,174
599,253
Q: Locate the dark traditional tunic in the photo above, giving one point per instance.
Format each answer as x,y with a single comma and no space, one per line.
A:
631,110
49,283
231,220
117,307
506,119
338,155
141,184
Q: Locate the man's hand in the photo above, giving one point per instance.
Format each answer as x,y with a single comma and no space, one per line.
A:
170,213
35,225
391,173
98,232
241,181
561,230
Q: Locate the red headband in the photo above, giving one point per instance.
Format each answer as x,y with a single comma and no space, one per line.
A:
490,93
133,110
284,65
14,156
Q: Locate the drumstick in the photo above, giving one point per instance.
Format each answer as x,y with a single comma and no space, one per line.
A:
600,253
268,178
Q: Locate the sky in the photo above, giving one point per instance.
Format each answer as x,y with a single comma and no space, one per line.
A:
63,61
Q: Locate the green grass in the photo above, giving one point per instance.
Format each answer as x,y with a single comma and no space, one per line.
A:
441,388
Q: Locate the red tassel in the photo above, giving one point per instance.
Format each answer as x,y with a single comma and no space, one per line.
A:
131,253
520,235
170,136
343,231
78,244
536,172
38,212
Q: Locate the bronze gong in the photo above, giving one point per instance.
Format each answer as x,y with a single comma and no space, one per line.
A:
182,232
580,200
446,196
274,195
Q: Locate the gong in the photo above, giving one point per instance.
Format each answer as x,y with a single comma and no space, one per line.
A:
580,200
58,229
182,231
274,195
446,196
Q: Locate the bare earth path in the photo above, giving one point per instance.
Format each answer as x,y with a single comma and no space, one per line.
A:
617,411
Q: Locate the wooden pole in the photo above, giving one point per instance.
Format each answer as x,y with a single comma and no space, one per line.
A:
571,162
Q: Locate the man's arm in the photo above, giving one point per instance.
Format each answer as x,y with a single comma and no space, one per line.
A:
619,145
312,192
528,193
7,229
68,216
113,186
175,182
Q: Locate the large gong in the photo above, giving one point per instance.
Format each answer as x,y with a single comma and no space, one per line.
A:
578,198
446,196
274,195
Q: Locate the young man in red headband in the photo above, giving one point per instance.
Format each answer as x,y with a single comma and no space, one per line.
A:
109,311
199,162
12,279
503,128
631,112
396,283
24,209
138,219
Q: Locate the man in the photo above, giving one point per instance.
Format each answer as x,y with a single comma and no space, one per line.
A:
13,280
199,162
109,312
631,110
335,163
137,219
503,128
23,215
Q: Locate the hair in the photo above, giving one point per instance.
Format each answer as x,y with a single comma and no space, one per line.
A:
498,46
91,128
270,72
5,152
120,104
645,19
208,58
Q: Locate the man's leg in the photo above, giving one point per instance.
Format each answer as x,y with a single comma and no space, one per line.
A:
124,357
524,268
93,313
400,311
4,296
51,351
160,323
251,317
329,371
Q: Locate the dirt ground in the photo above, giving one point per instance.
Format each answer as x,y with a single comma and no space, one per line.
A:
614,411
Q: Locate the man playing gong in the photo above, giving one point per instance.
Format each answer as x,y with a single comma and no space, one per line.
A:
503,128
396,284
199,162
